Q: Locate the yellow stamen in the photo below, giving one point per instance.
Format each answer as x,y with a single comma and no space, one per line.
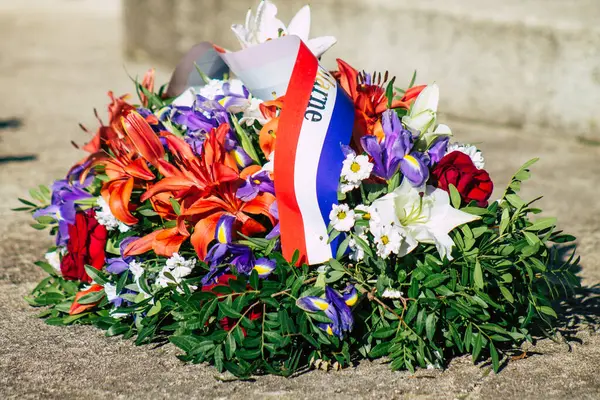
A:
385,240
355,167
341,215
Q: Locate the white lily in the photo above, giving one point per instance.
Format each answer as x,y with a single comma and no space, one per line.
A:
266,26
422,117
425,215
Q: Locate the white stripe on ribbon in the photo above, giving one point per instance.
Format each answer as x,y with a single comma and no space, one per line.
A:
310,146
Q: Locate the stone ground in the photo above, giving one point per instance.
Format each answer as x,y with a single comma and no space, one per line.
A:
57,60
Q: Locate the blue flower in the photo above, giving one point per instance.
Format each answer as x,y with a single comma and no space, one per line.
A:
336,307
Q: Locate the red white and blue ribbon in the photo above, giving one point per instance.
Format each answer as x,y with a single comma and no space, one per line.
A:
316,120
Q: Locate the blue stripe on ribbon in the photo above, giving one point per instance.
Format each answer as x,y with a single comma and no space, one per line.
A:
332,157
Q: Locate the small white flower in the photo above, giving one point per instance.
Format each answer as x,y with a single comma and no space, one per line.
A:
212,89
368,213
388,239
53,259
105,217
251,113
346,187
390,293
178,267
341,217
356,168
111,291
137,269
357,253
473,152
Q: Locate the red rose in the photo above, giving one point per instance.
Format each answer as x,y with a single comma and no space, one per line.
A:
87,241
458,169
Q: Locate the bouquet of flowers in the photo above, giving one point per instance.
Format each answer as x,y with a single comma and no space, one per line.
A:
293,217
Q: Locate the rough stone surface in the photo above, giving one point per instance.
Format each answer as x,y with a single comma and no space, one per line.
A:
61,58
523,63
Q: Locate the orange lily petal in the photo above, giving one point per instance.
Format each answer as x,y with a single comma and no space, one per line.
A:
348,77
252,169
266,137
143,137
120,194
77,308
139,169
141,245
167,242
170,184
204,233
260,205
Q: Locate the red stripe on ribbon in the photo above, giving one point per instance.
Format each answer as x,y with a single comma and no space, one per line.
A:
288,132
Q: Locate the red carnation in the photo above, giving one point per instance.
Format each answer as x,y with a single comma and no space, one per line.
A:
87,241
457,168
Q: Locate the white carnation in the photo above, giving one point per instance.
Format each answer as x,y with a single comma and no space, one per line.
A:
341,217
111,291
137,270
473,152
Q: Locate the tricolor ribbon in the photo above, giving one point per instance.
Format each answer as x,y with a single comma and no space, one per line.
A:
316,120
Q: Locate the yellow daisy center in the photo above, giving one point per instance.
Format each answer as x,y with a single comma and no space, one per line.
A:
341,215
355,167
385,240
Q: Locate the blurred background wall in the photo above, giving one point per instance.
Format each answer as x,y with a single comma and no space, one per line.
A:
533,64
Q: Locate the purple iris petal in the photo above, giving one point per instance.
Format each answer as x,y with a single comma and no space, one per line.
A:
312,303
118,265
274,211
63,205
260,182
415,168
264,267
242,258
344,314
242,158
438,149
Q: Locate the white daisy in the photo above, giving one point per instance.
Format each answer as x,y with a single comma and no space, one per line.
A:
341,217
388,239
367,213
356,168
346,187
473,152
105,217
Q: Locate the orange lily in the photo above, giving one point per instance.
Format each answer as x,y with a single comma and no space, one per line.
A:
148,84
77,308
126,162
266,136
370,101
206,189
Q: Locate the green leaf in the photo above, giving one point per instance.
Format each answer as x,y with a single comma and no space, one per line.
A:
507,294
245,140
495,358
46,267
430,326
384,332
175,205
380,350
548,311
434,280
334,276
228,311
96,275
155,309
91,298
184,342
504,221
454,196
478,275
218,357
541,224
477,344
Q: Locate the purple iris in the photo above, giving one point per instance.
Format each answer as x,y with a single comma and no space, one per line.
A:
394,152
154,122
118,265
199,119
336,307
438,149
226,252
259,182
63,206
234,101
274,211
